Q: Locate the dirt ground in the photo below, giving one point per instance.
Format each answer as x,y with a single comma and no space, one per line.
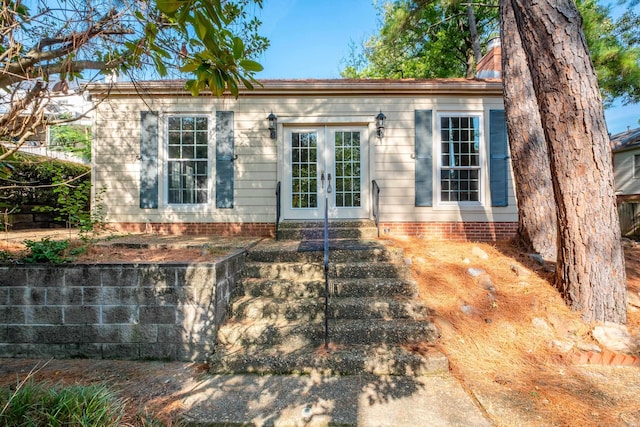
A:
504,345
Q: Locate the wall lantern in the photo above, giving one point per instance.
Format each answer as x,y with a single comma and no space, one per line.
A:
380,118
273,122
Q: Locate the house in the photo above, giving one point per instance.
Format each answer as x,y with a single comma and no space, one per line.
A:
173,163
625,147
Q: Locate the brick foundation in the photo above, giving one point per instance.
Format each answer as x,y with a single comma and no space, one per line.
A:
457,231
255,229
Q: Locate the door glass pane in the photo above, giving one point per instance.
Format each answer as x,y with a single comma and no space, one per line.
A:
304,160
347,158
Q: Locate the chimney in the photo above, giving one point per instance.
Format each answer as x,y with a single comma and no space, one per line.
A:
490,65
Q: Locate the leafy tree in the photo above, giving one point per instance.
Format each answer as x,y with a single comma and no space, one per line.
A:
430,39
72,138
42,42
422,39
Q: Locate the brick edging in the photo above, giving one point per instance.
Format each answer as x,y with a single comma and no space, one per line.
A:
603,358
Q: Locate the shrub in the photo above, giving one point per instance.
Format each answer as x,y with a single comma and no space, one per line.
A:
47,250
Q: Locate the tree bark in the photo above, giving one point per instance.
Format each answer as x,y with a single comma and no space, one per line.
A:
590,273
537,229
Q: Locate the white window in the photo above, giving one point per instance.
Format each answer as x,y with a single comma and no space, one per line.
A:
188,159
636,166
459,159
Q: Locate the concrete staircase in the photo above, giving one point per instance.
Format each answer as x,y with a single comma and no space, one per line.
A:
375,323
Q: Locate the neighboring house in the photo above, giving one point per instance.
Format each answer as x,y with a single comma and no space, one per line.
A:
173,163
625,147
59,105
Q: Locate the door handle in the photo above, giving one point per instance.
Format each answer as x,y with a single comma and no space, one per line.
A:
322,178
329,189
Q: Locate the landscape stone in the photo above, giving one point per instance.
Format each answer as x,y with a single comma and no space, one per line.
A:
614,337
562,346
475,272
588,346
537,258
486,283
476,251
541,324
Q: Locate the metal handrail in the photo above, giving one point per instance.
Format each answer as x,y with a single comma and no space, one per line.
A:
326,274
278,208
375,201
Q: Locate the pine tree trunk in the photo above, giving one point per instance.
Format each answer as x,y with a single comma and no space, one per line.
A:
532,175
590,273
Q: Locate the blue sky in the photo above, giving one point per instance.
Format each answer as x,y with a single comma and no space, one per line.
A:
310,38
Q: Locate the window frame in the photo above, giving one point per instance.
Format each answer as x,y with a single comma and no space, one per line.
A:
481,168
636,166
210,163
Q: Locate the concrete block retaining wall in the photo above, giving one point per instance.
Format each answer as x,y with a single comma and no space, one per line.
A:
115,311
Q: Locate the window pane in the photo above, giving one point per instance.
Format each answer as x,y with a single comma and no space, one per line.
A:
459,159
188,178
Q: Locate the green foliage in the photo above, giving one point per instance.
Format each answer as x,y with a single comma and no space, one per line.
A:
215,43
218,58
614,47
423,40
420,39
75,139
52,186
72,204
38,404
29,178
47,250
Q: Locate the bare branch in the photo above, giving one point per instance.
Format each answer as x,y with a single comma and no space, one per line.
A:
58,184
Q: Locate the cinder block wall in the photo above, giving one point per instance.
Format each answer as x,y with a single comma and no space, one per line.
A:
115,311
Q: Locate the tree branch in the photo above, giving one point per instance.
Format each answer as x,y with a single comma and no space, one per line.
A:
58,184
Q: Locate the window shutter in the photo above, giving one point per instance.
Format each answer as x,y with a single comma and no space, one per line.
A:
148,160
423,157
224,159
499,161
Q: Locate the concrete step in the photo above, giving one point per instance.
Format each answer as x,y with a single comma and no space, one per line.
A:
312,309
258,334
312,251
342,360
300,271
372,287
333,223
315,271
334,233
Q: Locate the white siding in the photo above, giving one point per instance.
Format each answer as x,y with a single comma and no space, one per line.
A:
257,168
623,166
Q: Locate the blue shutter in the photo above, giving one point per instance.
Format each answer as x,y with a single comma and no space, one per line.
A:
423,157
224,159
148,160
499,161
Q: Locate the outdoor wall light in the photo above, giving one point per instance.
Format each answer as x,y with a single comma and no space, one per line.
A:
273,122
380,118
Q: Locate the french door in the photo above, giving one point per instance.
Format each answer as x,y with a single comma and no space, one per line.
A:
329,164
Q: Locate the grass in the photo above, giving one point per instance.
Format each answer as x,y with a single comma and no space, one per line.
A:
43,404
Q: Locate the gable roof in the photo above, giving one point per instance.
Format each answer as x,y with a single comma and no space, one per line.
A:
627,140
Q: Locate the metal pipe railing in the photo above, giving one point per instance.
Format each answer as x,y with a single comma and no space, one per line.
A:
326,275
278,208
375,201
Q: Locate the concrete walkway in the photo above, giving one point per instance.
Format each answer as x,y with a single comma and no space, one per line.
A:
239,400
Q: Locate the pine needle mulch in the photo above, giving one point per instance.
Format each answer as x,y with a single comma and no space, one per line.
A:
500,344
